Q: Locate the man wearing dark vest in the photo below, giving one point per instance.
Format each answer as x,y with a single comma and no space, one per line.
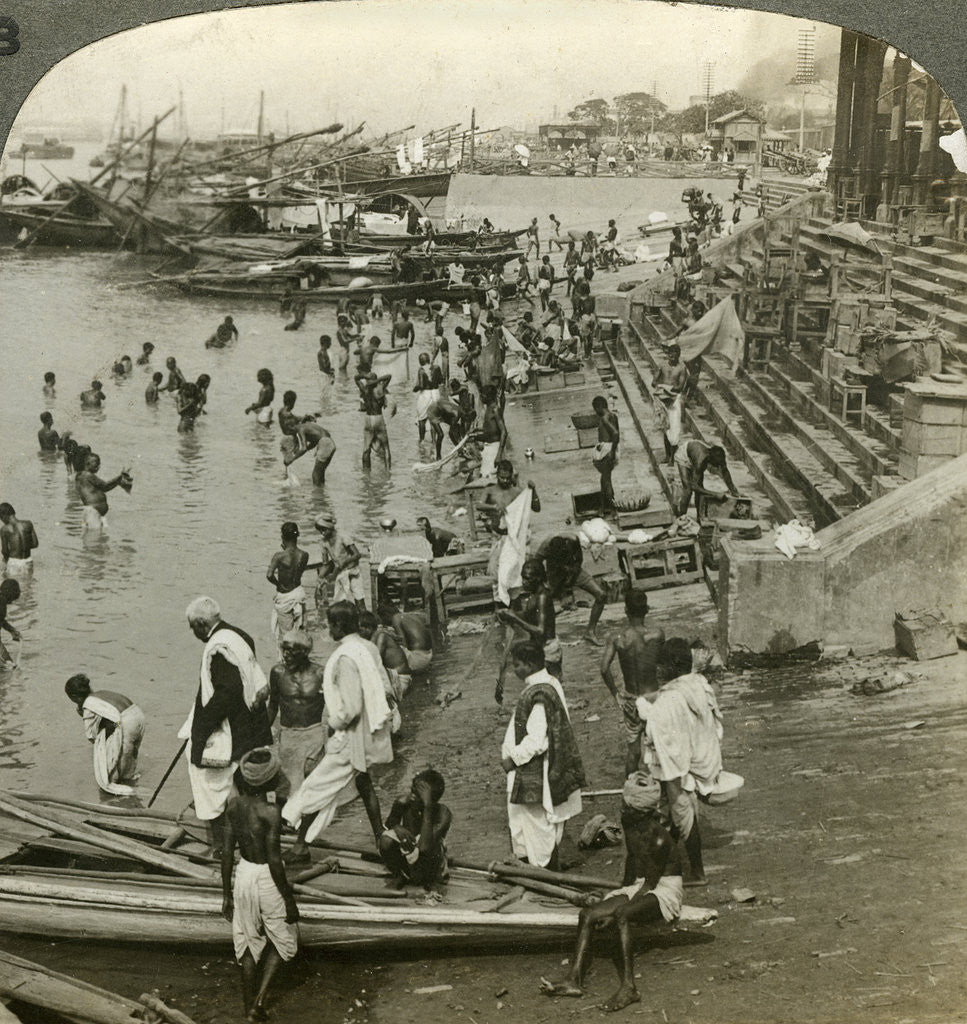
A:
542,762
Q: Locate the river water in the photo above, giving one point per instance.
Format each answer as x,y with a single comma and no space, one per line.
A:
205,510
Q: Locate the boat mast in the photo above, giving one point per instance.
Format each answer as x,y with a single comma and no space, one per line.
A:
258,131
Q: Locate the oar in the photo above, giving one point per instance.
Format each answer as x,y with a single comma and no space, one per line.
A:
171,768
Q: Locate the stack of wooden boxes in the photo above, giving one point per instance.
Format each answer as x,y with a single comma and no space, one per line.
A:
934,427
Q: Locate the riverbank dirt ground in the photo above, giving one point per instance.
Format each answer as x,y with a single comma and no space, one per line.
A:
849,833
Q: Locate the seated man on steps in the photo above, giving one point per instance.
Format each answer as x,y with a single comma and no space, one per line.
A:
414,846
652,892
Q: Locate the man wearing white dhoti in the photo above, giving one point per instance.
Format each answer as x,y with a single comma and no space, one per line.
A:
360,721
115,726
229,716
541,758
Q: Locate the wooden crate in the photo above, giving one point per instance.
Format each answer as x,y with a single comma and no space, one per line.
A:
560,443
586,426
646,519
452,571
663,563
924,635
735,507
549,381
586,505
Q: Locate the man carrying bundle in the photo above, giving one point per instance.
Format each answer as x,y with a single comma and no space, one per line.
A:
228,718
115,725
261,905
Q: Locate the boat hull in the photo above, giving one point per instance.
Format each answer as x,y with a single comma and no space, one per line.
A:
72,232
274,290
159,915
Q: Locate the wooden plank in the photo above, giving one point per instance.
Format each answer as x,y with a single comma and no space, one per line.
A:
113,843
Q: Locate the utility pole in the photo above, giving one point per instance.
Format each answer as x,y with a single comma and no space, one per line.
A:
258,130
805,74
473,134
708,78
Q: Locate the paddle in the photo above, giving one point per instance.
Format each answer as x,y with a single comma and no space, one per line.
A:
171,768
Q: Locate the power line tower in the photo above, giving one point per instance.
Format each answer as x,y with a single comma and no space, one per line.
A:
708,81
805,74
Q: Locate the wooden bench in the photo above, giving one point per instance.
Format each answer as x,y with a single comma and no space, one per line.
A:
672,562
452,570
847,400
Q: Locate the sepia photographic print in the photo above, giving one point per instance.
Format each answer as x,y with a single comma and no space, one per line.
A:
481,512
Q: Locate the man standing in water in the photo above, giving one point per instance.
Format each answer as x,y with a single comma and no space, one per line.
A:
115,725
261,906
372,390
355,687
47,437
295,695
637,649
175,377
285,572
228,718
93,492
9,592
93,397
17,541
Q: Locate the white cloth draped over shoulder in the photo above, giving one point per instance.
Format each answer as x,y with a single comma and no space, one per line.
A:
115,755
355,686
509,553
211,784
683,732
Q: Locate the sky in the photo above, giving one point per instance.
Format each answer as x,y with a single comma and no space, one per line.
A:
398,62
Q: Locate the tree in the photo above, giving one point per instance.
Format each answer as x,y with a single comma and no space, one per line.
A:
634,112
595,111
692,119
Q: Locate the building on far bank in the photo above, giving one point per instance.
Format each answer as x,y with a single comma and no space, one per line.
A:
738,132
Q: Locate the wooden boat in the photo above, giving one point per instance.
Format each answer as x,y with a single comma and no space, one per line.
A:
142,877
61,229
470,259
273,287
32,984
496,240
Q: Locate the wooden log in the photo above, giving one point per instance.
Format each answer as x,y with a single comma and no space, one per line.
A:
505,901
175,836
7,1016
81,805
538,874
168,1013
579,899
111,842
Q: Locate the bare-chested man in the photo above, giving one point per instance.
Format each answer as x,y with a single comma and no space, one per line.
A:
502,493
261,906
564,560
309,436
17,541
285,572
47,437
9,592
295,695
652,892
637,649
413,846
391,653
372,391
93,397
668,384
414,634
531,616
93,492
175,377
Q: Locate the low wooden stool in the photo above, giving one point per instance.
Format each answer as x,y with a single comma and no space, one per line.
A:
848,401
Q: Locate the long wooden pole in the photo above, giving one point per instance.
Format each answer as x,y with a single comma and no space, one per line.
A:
171,768
104,840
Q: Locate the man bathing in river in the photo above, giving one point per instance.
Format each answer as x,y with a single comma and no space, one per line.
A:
261,905
637,648
285,572
176,378
262,406
306,437
296,697
360,720
93,492
652,892
372,391
93,397
413,846
115,726
18,538
47,437
9,592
